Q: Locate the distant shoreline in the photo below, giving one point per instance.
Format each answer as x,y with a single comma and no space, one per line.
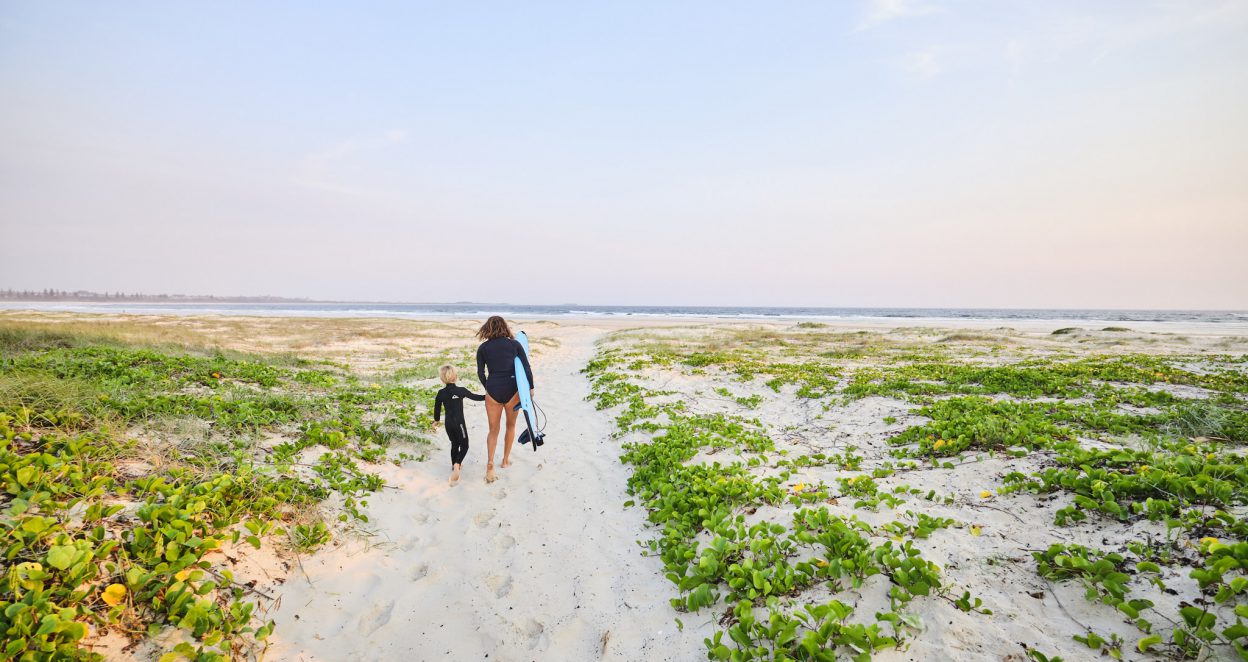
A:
1038,320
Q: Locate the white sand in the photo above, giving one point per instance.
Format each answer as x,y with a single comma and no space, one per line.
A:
541,565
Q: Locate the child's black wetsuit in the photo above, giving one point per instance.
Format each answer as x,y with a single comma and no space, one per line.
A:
499,355
452,397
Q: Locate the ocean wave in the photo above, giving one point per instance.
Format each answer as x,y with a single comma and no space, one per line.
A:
1105,316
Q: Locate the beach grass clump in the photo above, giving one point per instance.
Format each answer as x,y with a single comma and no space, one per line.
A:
1128,440
714,556
106,526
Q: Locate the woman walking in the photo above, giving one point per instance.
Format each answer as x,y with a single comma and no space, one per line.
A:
496,368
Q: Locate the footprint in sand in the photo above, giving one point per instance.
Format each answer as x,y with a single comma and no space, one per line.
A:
533,630
500,493
483,518
375,618
420,572
503,542
409,543
420,518
501,585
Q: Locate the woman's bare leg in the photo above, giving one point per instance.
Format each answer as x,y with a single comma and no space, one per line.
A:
510,437
494,411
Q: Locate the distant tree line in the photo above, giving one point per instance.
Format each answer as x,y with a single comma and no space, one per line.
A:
50,294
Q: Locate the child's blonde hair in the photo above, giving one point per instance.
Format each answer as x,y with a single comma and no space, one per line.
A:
448,374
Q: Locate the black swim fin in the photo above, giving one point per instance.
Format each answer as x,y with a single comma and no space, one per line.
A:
528,434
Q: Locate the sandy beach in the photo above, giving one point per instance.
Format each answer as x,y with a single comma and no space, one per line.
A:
892,330
541,564
549,562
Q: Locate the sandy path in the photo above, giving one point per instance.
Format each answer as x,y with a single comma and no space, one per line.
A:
540,565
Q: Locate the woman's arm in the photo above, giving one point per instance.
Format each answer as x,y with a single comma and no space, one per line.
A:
481,364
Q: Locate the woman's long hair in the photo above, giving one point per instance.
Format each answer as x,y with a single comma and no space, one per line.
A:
495,327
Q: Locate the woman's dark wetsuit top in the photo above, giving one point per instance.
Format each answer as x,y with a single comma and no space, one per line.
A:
499,355
452,397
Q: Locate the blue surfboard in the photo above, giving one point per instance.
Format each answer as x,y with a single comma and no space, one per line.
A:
531,433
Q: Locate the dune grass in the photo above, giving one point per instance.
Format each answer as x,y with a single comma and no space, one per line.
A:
1126,439
130,459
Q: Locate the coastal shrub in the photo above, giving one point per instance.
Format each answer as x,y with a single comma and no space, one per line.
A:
1126,437
713,556
74,564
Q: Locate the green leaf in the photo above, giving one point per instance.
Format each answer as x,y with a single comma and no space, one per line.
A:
1236,631
36,524
48,625
74,630
14,646
1147,642
61,556
1197,618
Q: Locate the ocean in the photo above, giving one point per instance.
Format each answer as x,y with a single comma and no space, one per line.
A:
475,310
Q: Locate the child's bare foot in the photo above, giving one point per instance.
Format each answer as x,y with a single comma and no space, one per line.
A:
489,473
454,475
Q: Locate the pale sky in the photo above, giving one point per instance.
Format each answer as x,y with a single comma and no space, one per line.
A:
885,153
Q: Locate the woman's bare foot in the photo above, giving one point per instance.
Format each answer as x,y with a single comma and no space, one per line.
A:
506,462
455,475
489,473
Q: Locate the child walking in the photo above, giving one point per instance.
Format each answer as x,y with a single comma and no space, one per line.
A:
452,397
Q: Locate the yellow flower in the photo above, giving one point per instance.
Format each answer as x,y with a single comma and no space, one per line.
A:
976,530
181,575
114,594
938,444
1143,468
985,494
821,563
799,487
1207,540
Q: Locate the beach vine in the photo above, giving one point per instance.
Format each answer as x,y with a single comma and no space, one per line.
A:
134,476
1126,437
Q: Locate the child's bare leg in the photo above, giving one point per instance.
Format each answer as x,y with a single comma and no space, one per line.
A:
510,437
494,411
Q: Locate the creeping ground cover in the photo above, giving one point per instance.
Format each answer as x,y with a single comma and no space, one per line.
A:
817,494
136,481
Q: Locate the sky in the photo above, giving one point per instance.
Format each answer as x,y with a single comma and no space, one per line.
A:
927,153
